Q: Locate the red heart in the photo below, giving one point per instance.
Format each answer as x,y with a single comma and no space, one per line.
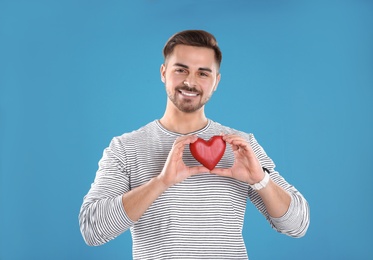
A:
208,153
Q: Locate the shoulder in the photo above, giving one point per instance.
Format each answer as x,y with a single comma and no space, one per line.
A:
136,136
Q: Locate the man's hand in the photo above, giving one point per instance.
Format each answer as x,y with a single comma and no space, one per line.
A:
174,170
139,199
246,166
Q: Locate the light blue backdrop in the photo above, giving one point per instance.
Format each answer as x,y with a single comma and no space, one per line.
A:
73,74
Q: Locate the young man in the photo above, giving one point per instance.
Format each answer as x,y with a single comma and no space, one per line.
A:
149,182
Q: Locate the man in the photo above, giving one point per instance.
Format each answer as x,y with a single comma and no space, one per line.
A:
149,182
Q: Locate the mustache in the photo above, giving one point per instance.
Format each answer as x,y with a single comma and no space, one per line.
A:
187,88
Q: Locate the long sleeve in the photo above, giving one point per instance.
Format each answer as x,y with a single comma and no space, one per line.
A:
102,216
296,220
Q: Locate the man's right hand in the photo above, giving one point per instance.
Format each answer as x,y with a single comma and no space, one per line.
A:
175,170
138,200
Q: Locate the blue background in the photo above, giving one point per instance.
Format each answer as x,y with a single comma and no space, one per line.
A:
73,74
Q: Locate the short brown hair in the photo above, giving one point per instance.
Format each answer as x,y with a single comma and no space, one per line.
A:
196,38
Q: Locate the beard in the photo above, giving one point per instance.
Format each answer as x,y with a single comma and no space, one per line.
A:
185,104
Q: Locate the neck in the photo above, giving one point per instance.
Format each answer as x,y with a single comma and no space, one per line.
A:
184,123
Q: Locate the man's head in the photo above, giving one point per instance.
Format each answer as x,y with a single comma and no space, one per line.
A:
196,38
190,70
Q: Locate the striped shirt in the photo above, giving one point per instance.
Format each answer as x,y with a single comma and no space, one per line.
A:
199,218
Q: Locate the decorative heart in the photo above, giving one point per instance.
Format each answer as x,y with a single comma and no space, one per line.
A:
208,153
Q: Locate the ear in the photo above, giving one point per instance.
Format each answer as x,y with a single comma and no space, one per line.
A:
217,81
163,73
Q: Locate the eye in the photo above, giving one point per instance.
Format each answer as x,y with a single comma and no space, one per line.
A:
180,70
203,74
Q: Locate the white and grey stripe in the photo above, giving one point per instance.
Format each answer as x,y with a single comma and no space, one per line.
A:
200,218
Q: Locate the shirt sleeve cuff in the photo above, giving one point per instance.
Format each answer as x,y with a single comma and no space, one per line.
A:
124,220
282,223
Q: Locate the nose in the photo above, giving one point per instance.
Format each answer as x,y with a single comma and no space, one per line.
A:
190,81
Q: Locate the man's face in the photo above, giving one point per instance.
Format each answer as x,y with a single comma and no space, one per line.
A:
191,76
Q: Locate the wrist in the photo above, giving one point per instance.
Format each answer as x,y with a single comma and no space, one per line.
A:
262,184
161,183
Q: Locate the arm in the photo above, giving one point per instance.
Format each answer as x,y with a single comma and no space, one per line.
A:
296,219
275,199
102,216
138,200
111,207
282,204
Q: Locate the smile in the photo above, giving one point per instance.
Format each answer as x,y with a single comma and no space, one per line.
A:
188,94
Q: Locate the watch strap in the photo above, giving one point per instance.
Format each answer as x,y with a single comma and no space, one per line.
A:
263,183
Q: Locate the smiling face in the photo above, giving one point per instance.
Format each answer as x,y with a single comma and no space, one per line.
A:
191,76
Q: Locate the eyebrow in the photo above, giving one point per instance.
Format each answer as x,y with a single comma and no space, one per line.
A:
186,67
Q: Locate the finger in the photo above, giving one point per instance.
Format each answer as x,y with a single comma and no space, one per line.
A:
230,136
241,144
229,139
238,142
186,139
198,169
180,142
233,138
234,147
222,172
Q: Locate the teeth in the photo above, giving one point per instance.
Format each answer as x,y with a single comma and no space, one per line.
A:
189,94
